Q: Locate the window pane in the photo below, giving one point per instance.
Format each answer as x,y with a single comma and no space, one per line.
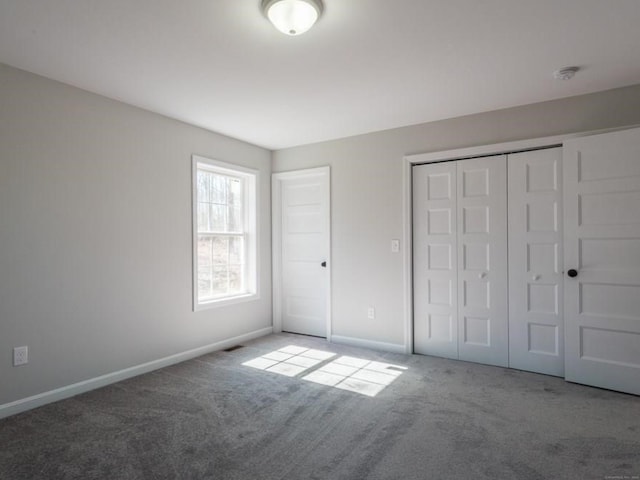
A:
235,220
204,178
235,192
219,190
219,203
205,254
220,250
218,215
220,280
205,287
236,251
235,279
203,217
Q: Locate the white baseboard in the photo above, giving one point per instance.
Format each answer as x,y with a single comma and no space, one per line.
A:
373,345
51,396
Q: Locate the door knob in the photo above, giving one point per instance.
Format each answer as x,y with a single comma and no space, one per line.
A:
572,273
482,275
323,264
535,278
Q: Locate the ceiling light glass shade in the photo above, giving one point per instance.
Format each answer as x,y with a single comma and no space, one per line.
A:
292,17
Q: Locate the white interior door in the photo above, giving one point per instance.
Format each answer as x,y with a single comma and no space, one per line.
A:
602,244
435,260
482,260
301,213
536,330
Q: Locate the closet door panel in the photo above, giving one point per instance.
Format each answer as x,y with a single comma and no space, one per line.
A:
536,330
435,260
482,253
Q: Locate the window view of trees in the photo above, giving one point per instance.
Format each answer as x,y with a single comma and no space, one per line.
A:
221,235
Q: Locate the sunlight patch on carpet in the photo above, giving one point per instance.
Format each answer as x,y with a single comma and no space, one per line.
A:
289,361
353,374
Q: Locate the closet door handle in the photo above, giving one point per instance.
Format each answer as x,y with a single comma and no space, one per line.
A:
572,273
535,278
323,264
482,275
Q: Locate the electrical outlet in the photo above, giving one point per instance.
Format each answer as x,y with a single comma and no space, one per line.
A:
395,246
20,356
371,313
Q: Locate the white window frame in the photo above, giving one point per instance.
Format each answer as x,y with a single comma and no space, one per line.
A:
251,218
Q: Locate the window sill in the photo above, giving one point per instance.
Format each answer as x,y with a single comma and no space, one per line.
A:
223,302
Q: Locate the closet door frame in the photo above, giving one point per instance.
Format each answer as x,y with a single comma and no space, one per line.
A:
456,154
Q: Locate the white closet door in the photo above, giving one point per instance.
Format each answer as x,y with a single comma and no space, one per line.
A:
482,266
602,245
536,329
434,260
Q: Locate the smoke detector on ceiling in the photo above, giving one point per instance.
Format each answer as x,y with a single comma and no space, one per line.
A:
565,73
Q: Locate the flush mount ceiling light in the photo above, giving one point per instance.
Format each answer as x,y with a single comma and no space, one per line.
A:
565,73
292,17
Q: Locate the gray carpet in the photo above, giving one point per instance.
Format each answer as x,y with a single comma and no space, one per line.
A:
214,418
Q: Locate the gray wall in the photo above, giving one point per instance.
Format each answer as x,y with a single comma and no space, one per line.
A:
95,225
366,193
95,235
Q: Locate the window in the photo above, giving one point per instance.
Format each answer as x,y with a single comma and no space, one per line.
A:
225,231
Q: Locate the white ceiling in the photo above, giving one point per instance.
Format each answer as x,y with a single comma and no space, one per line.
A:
367,65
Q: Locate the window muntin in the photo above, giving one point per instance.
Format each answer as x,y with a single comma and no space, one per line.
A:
224,232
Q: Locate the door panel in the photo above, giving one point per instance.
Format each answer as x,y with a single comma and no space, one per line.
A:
602,242
482,246
535,259
301,206
435,260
